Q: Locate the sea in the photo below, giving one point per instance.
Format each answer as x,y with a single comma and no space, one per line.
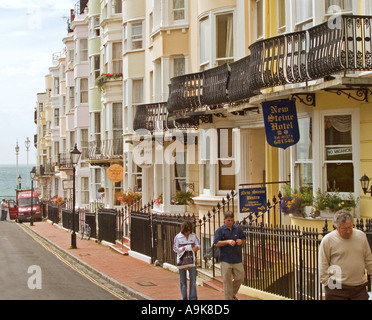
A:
8,179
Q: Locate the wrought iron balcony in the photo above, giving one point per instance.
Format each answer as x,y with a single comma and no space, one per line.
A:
64,161
45,170
320,52
106,149
152,117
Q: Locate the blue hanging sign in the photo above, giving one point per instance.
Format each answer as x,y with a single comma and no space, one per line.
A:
281,124
252,200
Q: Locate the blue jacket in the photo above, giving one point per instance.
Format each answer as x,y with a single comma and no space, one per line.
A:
228,253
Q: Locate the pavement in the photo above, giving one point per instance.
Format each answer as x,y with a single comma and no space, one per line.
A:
138,279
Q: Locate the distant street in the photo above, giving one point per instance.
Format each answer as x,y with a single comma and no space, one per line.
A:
30,271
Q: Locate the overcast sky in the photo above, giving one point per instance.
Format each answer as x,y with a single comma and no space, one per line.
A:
30,32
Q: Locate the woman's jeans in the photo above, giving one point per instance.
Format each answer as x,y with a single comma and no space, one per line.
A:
183,283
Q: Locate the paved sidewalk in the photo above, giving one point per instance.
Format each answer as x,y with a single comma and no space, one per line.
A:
149,281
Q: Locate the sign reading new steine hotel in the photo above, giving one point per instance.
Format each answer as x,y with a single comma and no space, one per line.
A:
252,200
281,127
281,124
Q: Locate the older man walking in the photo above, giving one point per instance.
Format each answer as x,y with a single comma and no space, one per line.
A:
344,255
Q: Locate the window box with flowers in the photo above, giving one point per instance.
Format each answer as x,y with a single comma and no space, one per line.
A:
103,78
323,204
178,204
298,203
326,204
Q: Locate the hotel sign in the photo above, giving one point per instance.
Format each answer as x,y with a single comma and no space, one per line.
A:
281,124
252,200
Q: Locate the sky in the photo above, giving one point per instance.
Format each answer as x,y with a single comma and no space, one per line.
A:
30,32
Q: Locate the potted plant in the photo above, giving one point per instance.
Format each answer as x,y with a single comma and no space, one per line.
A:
59,201
183,197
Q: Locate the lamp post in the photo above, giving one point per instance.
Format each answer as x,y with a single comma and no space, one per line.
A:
27,145
17,152
32,174
75,156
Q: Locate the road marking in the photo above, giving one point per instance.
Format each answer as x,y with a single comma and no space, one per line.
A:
32,235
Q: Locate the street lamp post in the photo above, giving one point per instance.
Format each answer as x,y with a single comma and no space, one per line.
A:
75,156
32,174
17,152
27,145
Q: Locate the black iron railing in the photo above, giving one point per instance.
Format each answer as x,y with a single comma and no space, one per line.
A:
343,45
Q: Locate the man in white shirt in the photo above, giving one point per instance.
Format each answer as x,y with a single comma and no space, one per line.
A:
344,255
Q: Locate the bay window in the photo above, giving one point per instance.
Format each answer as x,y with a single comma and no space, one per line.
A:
217,161
224,38
216,39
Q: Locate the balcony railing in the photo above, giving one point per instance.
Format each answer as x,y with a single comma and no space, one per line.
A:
339,46
64,161
45,170
106,149
152,117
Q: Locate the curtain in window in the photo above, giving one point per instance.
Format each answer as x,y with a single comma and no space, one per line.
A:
204,35
229,36
345,5
340,123
304,10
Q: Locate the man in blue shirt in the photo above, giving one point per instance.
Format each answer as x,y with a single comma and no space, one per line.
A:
230,238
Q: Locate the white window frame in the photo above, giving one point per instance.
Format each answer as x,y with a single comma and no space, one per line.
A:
319,156
174,21
117,62
130,38
282,28
83,50
83,94
95,26
208,40
262,22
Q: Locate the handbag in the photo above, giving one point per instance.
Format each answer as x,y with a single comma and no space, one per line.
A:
187,259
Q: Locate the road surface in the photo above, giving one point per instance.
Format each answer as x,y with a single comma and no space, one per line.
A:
32,270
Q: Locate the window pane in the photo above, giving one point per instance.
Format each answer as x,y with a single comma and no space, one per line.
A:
304,10
179,9
224,35
117,116
137,94
226,176
304,146
344,5
340,177
259,25
204,34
